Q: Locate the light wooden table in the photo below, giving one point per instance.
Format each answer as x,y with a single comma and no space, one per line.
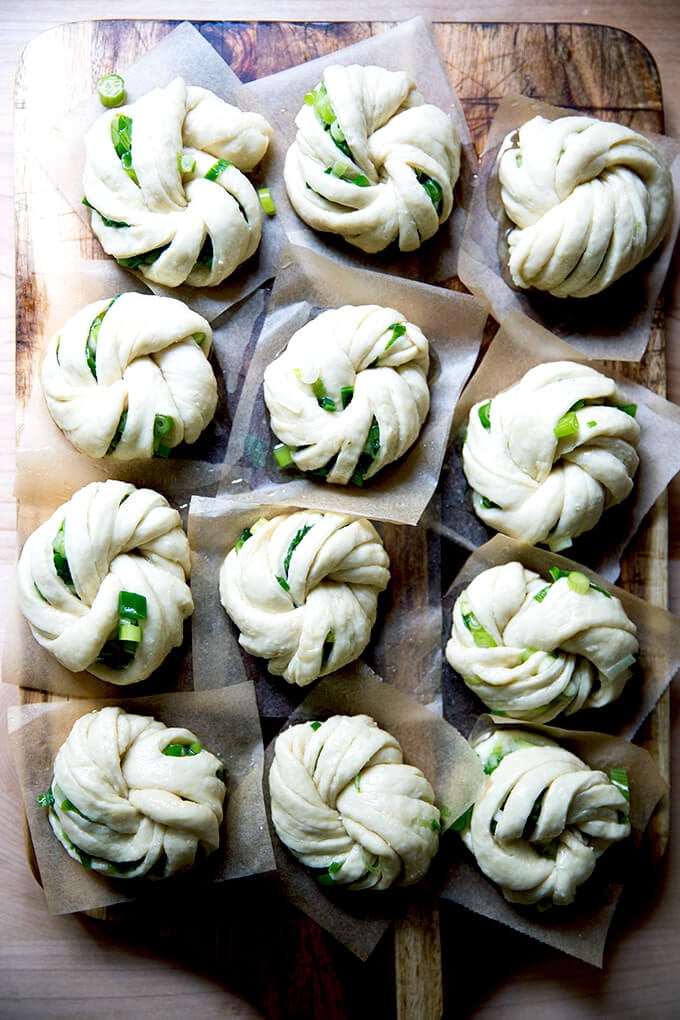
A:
67,967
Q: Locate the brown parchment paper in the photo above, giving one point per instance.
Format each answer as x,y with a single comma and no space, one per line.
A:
580,929
658,634
191,468
358,919
614,324
405,645
61,151
410,47
226,723
308,283
519,345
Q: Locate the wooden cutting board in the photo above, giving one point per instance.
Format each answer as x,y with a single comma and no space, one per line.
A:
286,965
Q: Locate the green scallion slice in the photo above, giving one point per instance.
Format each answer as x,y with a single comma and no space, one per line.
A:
216,169
46,799
266,201
463,820
283,455
619,778
484,413
346,394
186,164
398,329
630,409
567,425
132,605
578,582
243,538
111,90
182,750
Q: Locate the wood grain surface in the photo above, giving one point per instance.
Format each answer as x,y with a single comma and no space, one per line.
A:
293,968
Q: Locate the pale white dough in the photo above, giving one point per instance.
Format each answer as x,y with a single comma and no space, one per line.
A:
534,486
164,207
580,814
116,538
349,347
590,201
392,135
126,808
150,358
303,591
343,800
536,658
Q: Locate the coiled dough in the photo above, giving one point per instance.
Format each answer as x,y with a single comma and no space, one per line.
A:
125,807
542,819
343,800
590,201
535,486
350,356
115,538
535,649
303,588
119,363
392,137
176,226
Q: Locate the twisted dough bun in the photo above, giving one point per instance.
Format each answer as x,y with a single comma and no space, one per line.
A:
532,485
542,819
119,364
591,200
176,227
535,650
124,806
303,589
342,799
393,137
350,356
109,537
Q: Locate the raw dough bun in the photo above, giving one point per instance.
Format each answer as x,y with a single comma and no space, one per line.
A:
392,135
537,658
591,200
352,346
541,488
342,799
203,228
150,359
116,538
125,808
303,591
581,814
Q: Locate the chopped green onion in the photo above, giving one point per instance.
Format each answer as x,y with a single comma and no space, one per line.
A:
46,799
297,538
463,820
61,564
619,778
361,181
266,201
480,635
182,750
556,573
132,605
337,134
484,412
578,405
527,653
487,504
327,404
518,159
105,220
129,632
121,137
346,394
540,595
198,337
282,455
163,424
630,409
567,425
243,538
591,424
315,725
284,583
398,329
186,164
145,258
118,434
111,90
161,450
433,189
92,336
357,782
578,582
216,169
